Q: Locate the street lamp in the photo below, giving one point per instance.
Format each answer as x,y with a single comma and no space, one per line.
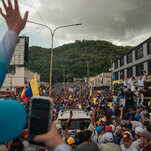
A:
52,37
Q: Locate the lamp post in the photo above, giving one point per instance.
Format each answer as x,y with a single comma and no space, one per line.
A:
52,38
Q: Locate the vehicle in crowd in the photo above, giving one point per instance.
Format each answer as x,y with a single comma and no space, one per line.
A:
78,117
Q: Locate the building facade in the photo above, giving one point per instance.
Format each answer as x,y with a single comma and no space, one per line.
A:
133,62
17,75
101,80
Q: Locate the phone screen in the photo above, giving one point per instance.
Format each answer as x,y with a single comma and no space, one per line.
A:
39,118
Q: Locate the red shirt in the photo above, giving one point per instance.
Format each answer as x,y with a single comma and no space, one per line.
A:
147,148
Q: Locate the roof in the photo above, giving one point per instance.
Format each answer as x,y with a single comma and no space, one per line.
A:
77,114
149,39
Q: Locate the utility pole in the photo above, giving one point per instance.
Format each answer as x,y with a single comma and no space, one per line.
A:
10,82
111,73
87,68
64,78
52,39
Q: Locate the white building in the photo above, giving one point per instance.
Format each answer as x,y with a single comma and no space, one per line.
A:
101,80
133,62
18,76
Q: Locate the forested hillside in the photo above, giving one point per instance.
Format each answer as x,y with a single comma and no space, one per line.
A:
74,59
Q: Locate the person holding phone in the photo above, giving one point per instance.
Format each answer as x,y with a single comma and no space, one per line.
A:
15,25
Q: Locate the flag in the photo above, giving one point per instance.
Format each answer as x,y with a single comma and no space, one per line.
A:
99,91
32,88
28,91
23,93
90,91
94,100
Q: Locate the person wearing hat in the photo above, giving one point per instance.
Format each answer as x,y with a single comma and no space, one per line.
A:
137,140
135,122
99,137
145,138
59,128
108,145
109,129
127,142
72,143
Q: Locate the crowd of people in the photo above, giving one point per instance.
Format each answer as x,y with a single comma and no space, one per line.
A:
118,122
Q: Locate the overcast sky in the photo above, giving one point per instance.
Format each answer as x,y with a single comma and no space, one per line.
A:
122,22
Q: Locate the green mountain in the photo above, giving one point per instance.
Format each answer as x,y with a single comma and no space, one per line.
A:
74,60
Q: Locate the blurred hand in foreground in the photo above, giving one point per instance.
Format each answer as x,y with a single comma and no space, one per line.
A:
13,18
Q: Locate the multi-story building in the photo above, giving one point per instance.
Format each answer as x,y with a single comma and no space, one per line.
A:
17,75
133,62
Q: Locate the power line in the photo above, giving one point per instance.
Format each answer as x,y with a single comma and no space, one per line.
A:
38,12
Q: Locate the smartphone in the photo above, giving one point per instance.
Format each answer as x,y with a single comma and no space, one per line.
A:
40,118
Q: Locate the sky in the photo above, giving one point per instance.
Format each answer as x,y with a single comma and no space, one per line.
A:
122,22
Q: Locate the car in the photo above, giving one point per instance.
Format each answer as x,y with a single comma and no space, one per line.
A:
78,117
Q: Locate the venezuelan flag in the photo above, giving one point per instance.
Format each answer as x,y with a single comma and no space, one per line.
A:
23,93
32,89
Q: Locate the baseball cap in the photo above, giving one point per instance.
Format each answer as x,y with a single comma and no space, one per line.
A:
146,134
113,127
137,116
127,136
24,133
115,102
70,140
58,126
108,129
138,129
108,136
99,129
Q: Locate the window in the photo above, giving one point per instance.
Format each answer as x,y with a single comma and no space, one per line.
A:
149,67
116,64
149,47
116,75
129,57
11,69
122,74
139,53
139,69
129,72
121,61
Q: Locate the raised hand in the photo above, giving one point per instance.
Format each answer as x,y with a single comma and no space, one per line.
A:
13,18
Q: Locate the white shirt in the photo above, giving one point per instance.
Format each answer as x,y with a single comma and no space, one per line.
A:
98,139
131,83
133,88
131,148
141,82
28,147
136,124
125,82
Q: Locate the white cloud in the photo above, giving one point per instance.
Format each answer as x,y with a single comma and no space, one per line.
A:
123,22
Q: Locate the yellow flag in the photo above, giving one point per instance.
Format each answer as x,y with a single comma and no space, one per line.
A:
99,91
90,91
34,86
94,100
